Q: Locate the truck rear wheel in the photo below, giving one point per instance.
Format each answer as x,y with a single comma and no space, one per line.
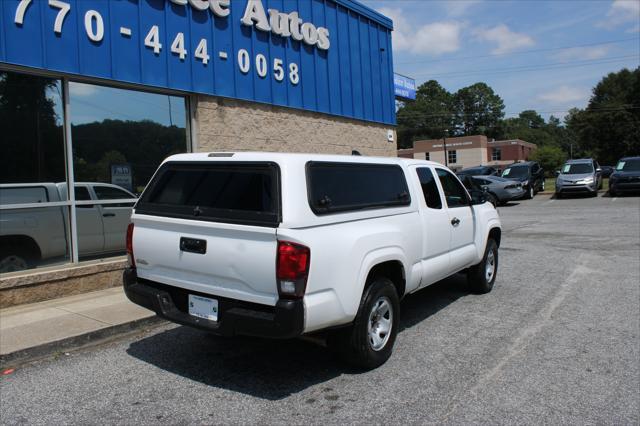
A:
482,276
13,262
368,342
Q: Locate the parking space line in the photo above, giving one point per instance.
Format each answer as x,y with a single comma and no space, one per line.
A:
550,201
614,199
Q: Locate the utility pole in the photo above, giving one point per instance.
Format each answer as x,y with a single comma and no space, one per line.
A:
444,145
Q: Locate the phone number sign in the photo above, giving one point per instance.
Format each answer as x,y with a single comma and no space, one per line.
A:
299,54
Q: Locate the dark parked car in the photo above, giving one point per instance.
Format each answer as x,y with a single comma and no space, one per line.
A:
529,174
626,177
606,171
478,171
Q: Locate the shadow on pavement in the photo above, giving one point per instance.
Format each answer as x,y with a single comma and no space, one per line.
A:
271,369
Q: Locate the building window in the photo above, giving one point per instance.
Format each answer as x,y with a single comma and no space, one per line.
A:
496,154
118,138
452,157
427,156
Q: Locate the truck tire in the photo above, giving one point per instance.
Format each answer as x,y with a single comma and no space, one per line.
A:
368,342
481,277
13,261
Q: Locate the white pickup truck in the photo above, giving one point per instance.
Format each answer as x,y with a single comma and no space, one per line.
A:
280,245
36,236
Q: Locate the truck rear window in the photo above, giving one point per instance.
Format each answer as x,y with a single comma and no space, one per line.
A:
341,187
241,193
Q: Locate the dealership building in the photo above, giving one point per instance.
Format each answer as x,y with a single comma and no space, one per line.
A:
94,94
470,151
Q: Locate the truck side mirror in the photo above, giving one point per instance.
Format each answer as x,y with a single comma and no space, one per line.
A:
557,172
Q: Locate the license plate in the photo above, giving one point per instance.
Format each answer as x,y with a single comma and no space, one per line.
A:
203,307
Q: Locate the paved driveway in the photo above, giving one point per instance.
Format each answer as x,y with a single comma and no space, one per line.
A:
557,341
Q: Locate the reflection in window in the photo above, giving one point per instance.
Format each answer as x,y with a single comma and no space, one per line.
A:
32,158
121,136
32,142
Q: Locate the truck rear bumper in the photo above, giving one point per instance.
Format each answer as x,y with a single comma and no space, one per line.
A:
285,320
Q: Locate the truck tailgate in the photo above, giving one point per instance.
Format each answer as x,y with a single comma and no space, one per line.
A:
239,261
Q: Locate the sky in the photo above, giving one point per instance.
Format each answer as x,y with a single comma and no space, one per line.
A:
544,55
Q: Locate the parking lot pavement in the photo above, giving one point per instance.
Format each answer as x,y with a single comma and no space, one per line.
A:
557,341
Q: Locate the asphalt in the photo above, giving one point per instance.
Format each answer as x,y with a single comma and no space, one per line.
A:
557,341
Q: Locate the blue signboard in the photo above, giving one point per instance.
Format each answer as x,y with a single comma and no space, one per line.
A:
330,56
404,87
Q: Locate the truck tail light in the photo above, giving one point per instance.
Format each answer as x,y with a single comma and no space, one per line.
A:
292,269
130,258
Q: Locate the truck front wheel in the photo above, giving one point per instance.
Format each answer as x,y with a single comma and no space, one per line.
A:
482,276
369,341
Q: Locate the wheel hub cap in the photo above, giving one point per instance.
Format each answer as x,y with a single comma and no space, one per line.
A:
490,268
380,323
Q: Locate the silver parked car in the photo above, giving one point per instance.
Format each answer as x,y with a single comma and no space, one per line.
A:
500,190
579,177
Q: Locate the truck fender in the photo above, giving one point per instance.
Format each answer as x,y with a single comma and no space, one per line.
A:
482,244
376,257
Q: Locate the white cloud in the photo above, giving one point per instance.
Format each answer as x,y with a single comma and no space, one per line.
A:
506,40
621,12
563,95
459,8
82,90
430,39
581,53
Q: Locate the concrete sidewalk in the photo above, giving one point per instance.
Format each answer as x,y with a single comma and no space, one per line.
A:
33,331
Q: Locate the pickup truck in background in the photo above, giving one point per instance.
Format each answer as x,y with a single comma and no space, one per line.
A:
37,236
280,245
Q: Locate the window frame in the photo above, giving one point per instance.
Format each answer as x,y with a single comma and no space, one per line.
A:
70,204
496,153
454,153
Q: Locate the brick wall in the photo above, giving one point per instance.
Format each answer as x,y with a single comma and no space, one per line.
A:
233,125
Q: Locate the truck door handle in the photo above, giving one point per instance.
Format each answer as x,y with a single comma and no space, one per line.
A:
108,215
455,221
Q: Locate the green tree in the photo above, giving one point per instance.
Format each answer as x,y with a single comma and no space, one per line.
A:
428,117
549,157
609,128
478,110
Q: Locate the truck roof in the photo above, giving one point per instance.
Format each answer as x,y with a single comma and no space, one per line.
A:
281,157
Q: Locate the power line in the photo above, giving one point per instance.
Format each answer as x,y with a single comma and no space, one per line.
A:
528,68
520,52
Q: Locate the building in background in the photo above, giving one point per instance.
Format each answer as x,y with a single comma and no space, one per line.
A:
102,91
470,151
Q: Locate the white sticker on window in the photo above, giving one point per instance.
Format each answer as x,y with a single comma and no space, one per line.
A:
566,168
620,165
506,172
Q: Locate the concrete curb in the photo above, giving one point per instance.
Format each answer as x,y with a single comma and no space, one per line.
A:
74,343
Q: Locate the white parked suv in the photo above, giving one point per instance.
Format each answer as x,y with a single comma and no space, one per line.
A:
280,245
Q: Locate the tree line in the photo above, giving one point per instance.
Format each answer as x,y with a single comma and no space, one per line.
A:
607,129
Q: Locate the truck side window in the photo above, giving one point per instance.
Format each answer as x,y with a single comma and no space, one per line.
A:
108,193
429,188
454,192
82,194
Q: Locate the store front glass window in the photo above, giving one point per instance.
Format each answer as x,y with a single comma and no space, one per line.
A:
120,137
32,164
